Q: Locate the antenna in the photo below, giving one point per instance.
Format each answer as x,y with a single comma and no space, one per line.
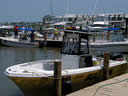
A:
95,7
67,9
51,7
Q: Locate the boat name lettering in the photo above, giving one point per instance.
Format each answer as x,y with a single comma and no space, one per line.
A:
92,76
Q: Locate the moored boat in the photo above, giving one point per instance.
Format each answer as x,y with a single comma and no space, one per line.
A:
23,39
14,42
36,78
109,46
102,42
78,67
109,42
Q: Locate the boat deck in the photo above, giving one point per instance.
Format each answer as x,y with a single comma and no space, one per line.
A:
51,42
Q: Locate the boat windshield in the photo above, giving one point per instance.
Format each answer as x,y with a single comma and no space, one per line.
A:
75,44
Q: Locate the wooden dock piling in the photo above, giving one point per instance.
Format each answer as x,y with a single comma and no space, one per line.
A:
45,37
57,77
106,66
108,35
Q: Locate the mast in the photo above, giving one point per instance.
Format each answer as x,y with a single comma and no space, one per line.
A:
51,8
95,6
67,7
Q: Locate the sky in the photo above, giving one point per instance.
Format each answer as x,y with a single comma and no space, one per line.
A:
34,10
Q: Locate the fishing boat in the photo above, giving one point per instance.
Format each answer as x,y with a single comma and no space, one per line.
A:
23,40
109,41
5,29
14,42
108,46
79,69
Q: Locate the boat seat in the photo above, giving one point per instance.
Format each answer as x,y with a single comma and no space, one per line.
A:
88,61
85,61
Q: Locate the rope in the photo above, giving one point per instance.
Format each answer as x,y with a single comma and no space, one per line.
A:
107,85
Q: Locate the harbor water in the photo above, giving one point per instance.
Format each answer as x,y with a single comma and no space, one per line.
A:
10,56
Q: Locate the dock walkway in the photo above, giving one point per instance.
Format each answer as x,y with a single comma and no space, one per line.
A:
50,39
51,42
117,86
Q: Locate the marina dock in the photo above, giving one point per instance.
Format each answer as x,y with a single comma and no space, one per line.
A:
65,48
117,86
51,42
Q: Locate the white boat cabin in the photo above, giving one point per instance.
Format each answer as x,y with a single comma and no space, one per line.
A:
73,52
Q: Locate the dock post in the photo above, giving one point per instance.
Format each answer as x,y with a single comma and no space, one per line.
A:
45,37
106,66
94,39
57,77
108,35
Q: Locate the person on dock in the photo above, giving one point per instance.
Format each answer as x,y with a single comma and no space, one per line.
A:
32,36
55,33
16,31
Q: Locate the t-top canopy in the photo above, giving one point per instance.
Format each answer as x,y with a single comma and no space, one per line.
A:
26,29
75,43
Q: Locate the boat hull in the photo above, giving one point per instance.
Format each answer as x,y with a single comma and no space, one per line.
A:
44,86
120,47
19,44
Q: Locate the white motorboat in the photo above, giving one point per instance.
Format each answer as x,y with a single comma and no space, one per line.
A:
14,42
97,26
78,67
102,42
115,42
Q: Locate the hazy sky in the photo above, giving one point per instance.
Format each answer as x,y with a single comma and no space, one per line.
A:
34,10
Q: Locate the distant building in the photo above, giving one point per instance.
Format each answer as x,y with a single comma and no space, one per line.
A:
67,19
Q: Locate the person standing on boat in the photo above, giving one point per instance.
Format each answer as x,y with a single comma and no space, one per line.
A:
23,30
16,31
23,33
35,35
55,33
32,36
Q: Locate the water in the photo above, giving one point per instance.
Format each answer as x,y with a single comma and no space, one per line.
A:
10,56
